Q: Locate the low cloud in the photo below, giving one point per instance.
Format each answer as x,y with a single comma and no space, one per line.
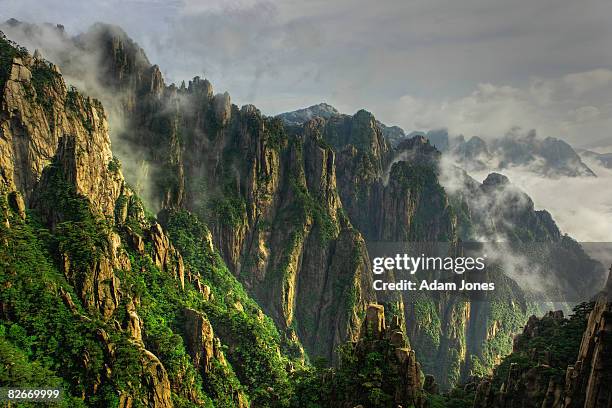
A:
535,266
581,206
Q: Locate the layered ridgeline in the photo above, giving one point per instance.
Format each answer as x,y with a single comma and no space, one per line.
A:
290,208
404,194
102,301
282,202
548,157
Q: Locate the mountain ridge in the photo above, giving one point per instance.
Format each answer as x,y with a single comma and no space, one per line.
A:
288,209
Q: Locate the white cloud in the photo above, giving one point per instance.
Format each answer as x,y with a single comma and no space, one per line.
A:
578,109
584,114
587,81
581,206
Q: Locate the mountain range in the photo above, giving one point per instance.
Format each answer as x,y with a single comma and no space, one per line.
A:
604,159
548,157
242,277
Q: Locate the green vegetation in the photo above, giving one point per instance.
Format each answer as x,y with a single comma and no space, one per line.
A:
56,256
557,342
509,318
44,77
53,341
274,132
306,206
78,234
551,345
424,315
18,368
82,107
252,339
456,398
420,183
369,379
41,333
114,166
230,210
8,51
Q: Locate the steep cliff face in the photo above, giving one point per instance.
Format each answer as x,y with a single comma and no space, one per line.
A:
95,293
207,354
55,152
286,205
53,137
587,382
556,363
362,151
274,211
281,219
269,195
44,121
396,195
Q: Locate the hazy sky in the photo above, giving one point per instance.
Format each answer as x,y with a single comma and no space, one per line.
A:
474,66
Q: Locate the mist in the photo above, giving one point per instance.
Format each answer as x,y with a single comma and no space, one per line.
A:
581,206
81,68
410,66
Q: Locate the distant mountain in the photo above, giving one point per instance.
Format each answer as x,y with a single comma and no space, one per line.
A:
393,134
550,157
605,159
300,116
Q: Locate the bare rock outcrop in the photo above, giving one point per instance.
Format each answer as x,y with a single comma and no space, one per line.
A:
165,256
587,383
44,121
200,340
205,351
156,392
55,157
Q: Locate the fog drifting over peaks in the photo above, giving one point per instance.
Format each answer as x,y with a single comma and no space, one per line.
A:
477,67
581,206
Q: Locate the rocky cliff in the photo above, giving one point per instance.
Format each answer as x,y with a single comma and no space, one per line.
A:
96,298
401,194
56,158
587,381
556,362
269,194
378,369
290,209
283,218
